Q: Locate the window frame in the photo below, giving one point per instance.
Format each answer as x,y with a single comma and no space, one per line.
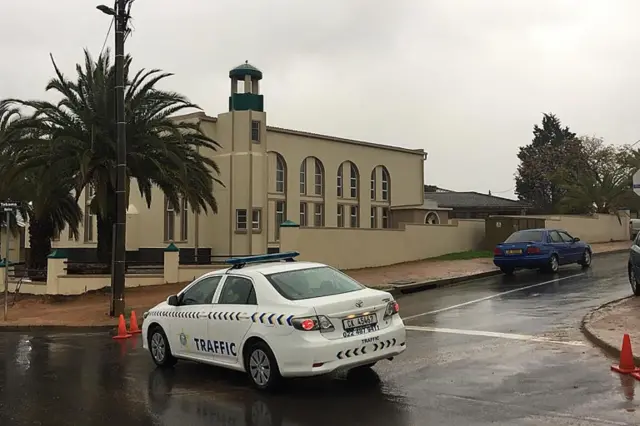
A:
275,216
257,228
385,218
373,185
195,283
303,177
317,214
318,178
354,217
281,171
374,217
303,213
340,216
256,128
224,286
246,220
354,175
385,184
340,182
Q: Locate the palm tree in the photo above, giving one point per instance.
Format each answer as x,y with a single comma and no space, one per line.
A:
161,151
44,193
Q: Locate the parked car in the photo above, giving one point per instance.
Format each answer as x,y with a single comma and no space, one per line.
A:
634,266
544,249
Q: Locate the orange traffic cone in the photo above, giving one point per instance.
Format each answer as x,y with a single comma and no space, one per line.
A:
133,324
122,329
626,365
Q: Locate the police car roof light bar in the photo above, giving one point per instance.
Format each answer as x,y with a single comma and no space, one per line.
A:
239,262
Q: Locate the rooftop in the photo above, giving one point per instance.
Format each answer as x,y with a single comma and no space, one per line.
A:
472,199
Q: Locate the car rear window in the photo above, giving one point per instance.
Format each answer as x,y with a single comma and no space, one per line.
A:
525,236
312,282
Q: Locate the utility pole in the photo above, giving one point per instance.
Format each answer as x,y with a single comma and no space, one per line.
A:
121,16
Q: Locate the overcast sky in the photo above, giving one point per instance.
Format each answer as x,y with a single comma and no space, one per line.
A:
465,80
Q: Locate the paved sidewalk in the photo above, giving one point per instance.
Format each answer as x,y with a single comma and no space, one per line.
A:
607,325
91,309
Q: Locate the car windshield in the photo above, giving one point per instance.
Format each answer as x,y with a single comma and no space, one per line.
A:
312,282
525,237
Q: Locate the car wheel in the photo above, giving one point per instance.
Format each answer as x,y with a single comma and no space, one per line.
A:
160,349
585,261
553,264
262,367
633,280
507,271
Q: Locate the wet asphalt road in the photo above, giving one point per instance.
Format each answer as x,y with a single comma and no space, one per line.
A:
470,361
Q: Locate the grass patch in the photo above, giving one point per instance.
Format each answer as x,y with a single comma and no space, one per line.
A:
465,255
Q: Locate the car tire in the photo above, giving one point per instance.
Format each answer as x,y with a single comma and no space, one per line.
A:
634,280
585,261
160,349
553,264
262,367
507,271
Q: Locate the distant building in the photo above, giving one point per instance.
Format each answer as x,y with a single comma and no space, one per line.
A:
471,204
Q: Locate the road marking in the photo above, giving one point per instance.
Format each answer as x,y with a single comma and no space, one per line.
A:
494,334
410,317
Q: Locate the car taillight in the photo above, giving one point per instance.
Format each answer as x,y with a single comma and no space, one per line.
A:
320,322
497,251
533,250
391,309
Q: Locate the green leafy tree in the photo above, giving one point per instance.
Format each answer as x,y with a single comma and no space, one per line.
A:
553,147
161,152
600,184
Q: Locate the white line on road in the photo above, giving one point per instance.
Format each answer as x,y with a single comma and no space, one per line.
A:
410,317
494,334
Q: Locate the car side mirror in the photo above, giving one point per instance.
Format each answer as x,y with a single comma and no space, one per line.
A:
576,239
173,300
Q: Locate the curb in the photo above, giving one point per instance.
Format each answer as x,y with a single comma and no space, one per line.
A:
592,336
445,282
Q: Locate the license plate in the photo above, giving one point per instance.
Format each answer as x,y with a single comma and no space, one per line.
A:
365,320
359,331
518,251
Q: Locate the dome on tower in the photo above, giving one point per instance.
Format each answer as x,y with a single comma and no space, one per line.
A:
241,71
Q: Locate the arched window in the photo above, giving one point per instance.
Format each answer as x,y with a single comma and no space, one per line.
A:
385,184
373,184
281,173
353,181
340,182
318,183
303,177
432,218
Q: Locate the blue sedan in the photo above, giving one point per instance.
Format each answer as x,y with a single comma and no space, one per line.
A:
544,249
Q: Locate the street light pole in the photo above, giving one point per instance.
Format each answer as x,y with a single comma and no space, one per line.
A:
120,15
118,277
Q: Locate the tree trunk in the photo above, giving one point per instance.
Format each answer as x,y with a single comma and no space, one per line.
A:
40,235
105,232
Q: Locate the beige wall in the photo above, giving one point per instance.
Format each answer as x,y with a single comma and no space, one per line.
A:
362,248
597,229
398,217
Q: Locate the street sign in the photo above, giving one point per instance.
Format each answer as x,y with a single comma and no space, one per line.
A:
8,206
636,182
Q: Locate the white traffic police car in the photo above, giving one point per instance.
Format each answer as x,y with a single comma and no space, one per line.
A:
275,319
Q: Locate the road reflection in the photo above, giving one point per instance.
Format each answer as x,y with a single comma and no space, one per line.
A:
192,396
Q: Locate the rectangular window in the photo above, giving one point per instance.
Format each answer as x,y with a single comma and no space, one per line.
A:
241,220
353,185
281,216
303,214
303,178
89,231
280,180
169,221
374,217
373,186
318,215
255,131
184,221
256,221
385,190
353,216
340,216
385,217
